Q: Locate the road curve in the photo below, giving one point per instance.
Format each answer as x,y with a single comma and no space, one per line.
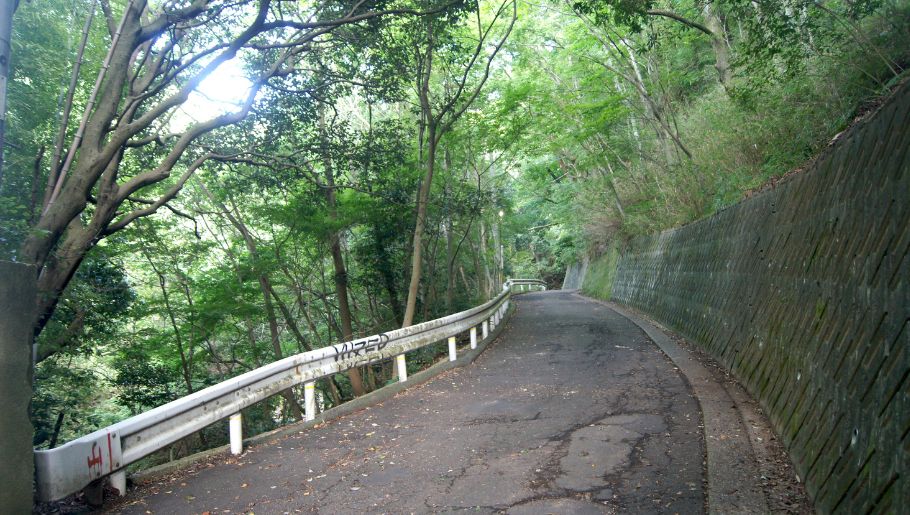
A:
573,410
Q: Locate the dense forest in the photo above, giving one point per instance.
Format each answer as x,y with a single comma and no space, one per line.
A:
208,186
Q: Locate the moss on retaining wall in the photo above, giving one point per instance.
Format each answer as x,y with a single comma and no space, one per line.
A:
598,282
803,292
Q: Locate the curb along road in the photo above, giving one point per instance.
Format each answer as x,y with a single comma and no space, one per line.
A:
748,471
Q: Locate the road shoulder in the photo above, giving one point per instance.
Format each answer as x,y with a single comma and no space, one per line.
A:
748,471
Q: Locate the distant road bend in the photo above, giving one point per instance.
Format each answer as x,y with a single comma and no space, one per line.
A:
573,410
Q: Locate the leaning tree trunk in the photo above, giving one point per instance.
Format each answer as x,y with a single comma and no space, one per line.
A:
423,198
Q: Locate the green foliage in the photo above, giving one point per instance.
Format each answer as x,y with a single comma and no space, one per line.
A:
92,308
76,387
783,37
630,13
598,163
143,384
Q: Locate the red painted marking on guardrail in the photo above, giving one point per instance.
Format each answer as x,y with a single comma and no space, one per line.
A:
93,458
110,454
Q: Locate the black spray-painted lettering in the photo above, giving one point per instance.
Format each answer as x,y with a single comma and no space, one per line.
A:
360,347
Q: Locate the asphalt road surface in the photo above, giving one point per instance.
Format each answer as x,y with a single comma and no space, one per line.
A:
572,410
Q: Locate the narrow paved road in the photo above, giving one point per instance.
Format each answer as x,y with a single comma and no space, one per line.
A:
574,410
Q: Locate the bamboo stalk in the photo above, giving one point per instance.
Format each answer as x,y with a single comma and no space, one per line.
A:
67,108
77,140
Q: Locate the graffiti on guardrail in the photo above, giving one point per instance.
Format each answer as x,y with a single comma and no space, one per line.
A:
94,459
355,348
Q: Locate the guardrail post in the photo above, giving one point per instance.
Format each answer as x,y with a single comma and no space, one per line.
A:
118,482
309,400
235,426
453,354
485,330
93,493
402,366
474,337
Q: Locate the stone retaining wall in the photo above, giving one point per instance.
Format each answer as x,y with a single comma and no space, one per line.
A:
575,274
803,292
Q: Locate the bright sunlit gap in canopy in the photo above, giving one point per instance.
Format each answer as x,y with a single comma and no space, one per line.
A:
223,91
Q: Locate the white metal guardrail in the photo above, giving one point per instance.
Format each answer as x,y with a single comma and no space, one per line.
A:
106,453
524,285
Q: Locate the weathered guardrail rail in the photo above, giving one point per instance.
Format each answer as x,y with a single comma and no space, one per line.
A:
107,452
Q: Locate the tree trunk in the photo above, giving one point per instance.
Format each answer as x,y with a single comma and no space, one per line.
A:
721,50
423,198
341,273
384,267
7,8
488,278
478,271
714,28
497,255
655,114
450,240
184,363
264,286
289,319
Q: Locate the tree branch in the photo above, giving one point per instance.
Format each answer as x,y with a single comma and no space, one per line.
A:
685,21
153,206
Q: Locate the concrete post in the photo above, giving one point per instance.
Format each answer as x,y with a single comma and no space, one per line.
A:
309,400
485,329
17,315
118,481
453,355
402,366
235,425
474,337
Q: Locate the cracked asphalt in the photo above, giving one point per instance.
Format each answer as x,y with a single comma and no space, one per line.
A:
573,410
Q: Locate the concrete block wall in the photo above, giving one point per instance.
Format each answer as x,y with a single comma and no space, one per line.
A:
575,274
803,292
